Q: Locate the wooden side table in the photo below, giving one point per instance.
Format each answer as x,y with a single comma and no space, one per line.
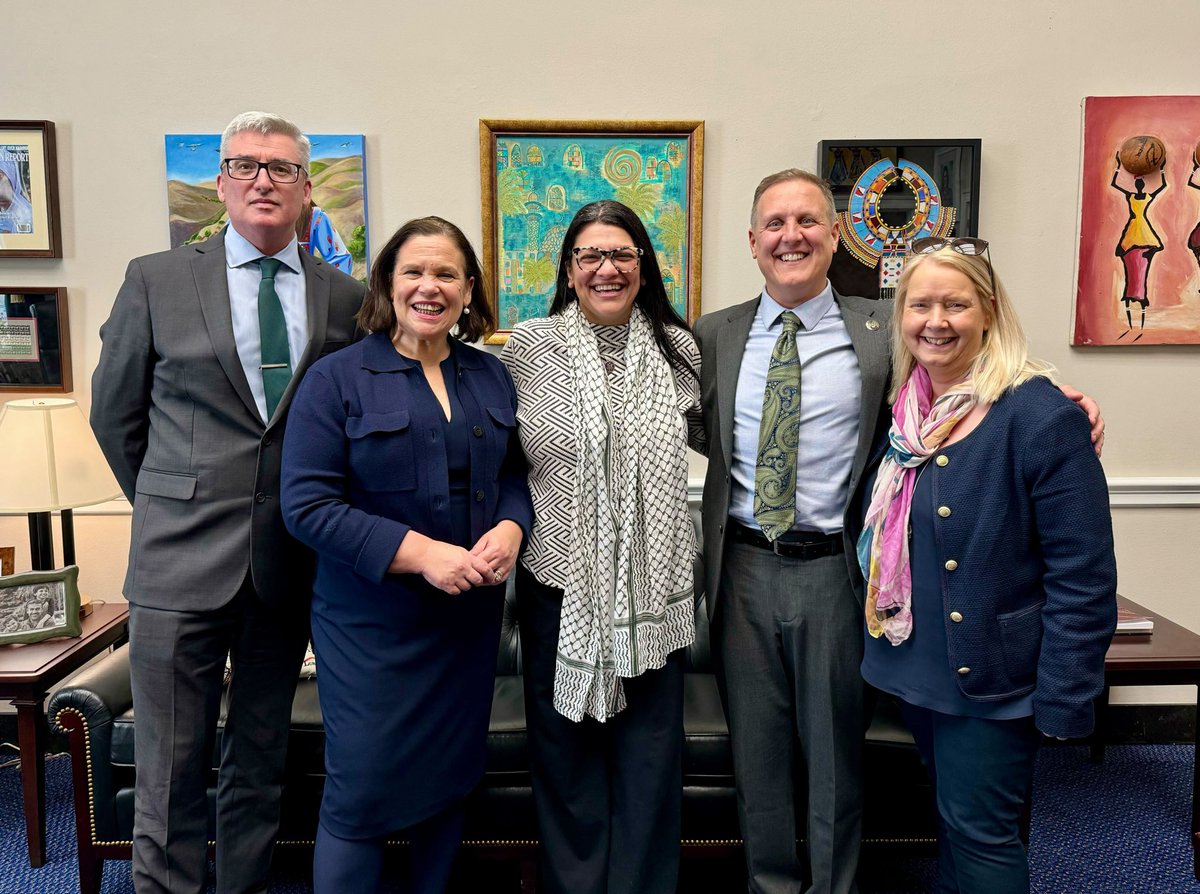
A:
27,674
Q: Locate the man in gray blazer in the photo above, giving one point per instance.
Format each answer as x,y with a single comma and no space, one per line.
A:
190,410
786,610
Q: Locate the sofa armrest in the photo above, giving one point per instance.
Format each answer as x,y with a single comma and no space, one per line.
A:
84,709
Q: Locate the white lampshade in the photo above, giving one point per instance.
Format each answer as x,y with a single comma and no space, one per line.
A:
49,458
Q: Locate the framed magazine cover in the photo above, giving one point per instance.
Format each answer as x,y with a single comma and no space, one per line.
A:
29,224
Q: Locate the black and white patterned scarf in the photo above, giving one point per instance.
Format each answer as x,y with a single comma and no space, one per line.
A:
628,602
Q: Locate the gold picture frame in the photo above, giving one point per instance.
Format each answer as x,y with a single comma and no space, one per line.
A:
535,174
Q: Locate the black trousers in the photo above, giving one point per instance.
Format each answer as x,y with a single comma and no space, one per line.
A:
608,795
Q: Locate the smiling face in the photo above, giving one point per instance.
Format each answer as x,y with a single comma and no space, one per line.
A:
605,295
793,241
943,323
261,210
429,291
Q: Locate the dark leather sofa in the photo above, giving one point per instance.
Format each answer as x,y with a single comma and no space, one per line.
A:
95,712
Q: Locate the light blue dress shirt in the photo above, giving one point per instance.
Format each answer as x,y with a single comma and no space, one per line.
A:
830,398
243,275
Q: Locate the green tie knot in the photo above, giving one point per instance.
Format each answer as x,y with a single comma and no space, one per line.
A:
269,267
791,322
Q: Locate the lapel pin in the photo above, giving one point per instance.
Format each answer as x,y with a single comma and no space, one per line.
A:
872,325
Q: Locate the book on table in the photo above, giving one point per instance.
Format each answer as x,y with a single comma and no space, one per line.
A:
1132,621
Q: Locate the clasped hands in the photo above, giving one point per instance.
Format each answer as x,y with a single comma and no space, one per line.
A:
455,570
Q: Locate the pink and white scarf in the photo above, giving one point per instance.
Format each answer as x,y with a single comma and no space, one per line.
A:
919,426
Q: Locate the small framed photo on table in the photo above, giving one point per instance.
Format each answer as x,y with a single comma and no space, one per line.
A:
39,605
29,223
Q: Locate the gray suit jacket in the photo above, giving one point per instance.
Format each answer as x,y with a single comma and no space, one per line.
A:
722,338
174,415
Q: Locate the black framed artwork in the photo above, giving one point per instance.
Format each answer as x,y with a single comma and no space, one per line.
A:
889,192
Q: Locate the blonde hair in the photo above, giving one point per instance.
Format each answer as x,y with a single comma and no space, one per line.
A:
1003,360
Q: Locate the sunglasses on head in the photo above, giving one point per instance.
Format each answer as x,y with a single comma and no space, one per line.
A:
964,245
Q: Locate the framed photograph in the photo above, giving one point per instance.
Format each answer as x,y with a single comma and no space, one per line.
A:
333,226
535,175
39,605
35,342
8,556
29,226
889,192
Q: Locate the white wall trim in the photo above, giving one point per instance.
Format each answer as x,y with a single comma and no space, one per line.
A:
1124,493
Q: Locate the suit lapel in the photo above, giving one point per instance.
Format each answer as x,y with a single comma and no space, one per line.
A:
212,291
869,332
731,345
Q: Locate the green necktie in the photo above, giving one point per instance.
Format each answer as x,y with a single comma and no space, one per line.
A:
272,333
778,436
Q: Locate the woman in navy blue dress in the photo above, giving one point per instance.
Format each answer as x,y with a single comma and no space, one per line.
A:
402,470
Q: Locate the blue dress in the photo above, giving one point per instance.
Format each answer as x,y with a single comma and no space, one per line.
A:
404,670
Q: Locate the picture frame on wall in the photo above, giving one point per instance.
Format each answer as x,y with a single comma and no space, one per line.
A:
890,191
536,174
39,605
35,340
29,221
333,224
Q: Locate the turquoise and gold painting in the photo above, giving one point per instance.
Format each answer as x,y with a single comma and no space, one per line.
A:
536,174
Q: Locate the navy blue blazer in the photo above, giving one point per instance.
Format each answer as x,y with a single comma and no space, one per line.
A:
1025,547
361,469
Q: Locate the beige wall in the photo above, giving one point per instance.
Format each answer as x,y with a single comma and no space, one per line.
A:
769,80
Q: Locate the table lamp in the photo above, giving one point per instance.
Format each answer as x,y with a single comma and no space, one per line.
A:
50,461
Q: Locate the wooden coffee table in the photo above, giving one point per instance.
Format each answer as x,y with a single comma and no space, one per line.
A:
27,674
1169,656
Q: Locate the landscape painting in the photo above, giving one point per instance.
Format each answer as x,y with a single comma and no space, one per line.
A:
334,226
537,174
1138,279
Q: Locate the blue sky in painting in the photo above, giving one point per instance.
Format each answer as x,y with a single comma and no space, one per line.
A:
195,157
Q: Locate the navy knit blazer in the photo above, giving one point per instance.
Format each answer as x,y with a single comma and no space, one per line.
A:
1024,540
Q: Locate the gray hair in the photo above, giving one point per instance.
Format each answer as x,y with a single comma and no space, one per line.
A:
266,124
795,174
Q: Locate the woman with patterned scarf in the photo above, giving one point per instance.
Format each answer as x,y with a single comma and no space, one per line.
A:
608,401
988,553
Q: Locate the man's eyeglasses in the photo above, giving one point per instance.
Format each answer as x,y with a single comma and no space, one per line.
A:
625,260
248,168
964,245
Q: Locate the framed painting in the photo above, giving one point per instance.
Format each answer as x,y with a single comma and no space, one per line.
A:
889,192
35,340
536,174
39,605
1138,279
29,224
333,226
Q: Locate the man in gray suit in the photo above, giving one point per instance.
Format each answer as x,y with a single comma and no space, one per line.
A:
786,609
201,354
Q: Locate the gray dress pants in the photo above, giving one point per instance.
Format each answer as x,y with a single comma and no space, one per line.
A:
788,637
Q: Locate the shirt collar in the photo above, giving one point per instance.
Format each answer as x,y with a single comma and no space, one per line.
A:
239,251
810,312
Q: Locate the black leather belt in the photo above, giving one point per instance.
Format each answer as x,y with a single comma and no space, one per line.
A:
812,546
